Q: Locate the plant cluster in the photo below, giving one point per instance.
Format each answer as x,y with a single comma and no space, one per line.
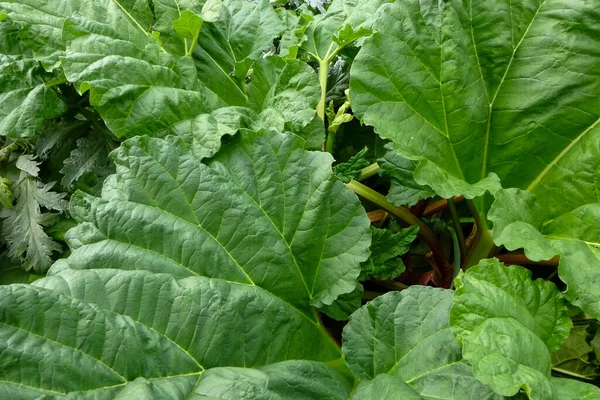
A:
345,199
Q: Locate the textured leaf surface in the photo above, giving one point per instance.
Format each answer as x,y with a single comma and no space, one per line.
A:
404,191
105,332
407,335
285,380
520,221
265,212
492,291
137,87
385,387
473,88
576,355
508,324
25,102
41,26
386,247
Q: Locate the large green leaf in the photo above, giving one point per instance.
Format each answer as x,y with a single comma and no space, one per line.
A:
41,26
136,86
507,325
407,335
520,221
492,291
264,212
472,89
26,103
285,380
99,333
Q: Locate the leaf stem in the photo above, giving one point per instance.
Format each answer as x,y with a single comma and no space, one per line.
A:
193,43
323,73
457,228
405,215
520,259
368,172
484,242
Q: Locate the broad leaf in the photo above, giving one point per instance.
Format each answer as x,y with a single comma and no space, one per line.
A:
407,335
385,387
507,325
26,103
521,222
285,380
129,339
137,87
264,212
576,356
41,26
492,291
480,90
90,155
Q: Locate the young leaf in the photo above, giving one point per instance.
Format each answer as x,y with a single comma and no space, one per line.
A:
264,211
351,169
502,318
386,247
404,191
407,335
492,291
90,155
444,82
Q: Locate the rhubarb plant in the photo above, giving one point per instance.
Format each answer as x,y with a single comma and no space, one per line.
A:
227,199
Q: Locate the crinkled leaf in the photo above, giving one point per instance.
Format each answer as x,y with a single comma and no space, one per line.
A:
344,23
293,35
6,196
404,191
476,89
285,380
265,212
508,324
188,24
352,168
26,103
41,26
576,356
289,87
386,247
572,389
521,221
407,335
227,48
490,290
136,88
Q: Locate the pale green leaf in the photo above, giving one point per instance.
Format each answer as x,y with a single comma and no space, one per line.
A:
490,290
407,335
6,196
188,24
345,304
90,155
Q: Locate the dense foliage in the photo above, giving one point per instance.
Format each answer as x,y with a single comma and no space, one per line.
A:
244,199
